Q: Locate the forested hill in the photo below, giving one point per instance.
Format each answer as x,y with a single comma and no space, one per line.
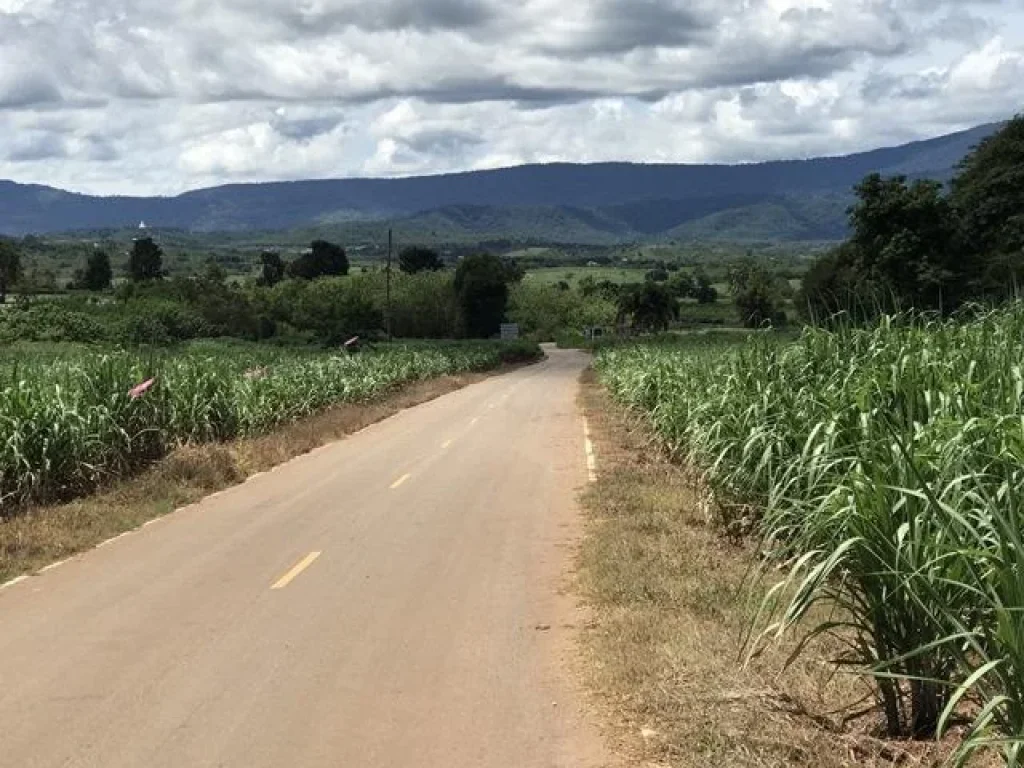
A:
789,200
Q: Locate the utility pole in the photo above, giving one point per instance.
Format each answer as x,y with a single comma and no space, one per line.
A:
388,270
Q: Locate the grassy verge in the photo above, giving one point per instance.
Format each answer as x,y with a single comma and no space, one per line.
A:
44,534
672,601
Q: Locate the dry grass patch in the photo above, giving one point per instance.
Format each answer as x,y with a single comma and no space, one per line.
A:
45,534
672,602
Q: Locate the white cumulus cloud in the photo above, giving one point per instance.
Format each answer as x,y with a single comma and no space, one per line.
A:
148,96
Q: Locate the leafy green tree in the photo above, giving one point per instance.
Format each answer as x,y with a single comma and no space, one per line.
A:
544,311
604,289
657,275
826,286
146,261
331,309
514,271
906,237
417,259
648,307
323,259
98,274
704,292
481,286
906,251
10,267
682,285
273,268
988,197
424,305
759,294
213,273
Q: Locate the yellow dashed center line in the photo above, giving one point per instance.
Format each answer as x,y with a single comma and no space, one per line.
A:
400,481
287,579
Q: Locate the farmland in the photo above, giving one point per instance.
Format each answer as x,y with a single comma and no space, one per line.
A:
882,470
72,420
572,275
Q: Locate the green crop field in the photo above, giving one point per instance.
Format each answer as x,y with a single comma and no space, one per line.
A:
69,419
573,275
884,470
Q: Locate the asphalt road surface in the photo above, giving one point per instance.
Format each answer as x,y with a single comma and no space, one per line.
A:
395,599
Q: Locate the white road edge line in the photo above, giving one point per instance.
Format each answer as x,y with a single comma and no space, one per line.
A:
588,448
51,566
12,582
113,539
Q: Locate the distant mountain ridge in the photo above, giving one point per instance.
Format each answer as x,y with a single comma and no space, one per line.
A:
560,202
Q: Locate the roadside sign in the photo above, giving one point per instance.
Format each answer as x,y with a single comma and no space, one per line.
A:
509,331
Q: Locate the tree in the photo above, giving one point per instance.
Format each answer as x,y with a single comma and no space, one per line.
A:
146,261
331,308
657,275
704,292
424,305
323,259
514,271
988,198
648,307
10,267
273,268
604,289
416,259
481,286
833,286
544,311
682,285
906,238
906,251
758,294
98,274
213,274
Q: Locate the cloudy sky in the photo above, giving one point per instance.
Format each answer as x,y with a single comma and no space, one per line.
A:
159,96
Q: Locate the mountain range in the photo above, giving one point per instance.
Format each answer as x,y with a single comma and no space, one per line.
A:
793,200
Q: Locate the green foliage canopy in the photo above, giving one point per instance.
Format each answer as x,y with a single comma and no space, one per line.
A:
481,285
272,268
323,259
98,274
915,247
988,196
543,311
647,307
759,295
146,261
10,267
417,259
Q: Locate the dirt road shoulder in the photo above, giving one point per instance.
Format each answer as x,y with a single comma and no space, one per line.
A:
668,607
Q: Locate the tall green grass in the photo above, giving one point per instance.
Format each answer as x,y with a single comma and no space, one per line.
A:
68,425
887,468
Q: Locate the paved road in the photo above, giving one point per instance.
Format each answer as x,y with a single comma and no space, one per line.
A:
383,601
